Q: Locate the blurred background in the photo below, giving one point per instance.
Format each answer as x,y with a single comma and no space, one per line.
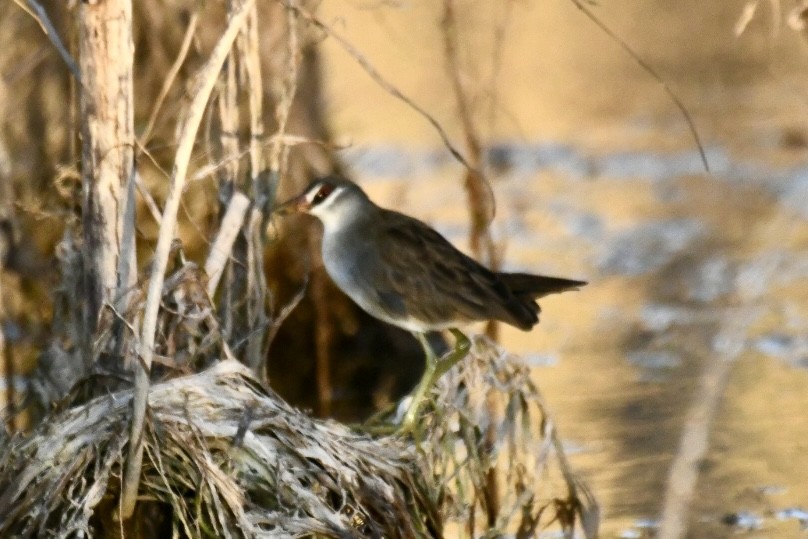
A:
678,377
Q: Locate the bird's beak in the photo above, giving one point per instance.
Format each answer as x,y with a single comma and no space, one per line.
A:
299,204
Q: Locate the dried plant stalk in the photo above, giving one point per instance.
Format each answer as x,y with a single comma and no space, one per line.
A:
481,204
222,245
248,46
229,123
478,189
170,78
188,130
107,126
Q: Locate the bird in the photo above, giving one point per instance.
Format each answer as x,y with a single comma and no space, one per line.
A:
403,272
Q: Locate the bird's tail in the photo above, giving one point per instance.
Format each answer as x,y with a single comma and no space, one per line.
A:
534,287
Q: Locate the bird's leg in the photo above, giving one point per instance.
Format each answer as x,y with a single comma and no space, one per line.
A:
461,350
428,378
435,368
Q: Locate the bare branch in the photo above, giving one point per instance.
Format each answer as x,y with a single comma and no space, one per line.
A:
106,100
284,313
170,76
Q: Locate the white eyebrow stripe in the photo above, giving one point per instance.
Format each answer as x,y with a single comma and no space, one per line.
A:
312,193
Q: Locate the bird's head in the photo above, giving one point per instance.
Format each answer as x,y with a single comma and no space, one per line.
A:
331,199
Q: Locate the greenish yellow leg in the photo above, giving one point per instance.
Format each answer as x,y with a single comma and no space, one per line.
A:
461,350
435,368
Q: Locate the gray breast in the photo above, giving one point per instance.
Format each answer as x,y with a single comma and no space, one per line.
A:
352,261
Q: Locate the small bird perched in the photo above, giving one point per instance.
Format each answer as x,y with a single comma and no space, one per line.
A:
403,272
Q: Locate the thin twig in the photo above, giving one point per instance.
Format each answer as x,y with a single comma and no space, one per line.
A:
206,80
284,313
41,17
651,71
381,81
480,194
170,77
148,199
285,140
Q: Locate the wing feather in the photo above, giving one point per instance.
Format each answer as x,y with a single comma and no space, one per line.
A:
436,282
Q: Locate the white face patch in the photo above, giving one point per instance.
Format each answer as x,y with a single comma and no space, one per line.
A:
332,209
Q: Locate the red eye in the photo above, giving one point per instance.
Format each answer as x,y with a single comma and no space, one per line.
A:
324,191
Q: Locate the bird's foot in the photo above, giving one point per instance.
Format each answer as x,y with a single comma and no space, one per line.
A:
435,368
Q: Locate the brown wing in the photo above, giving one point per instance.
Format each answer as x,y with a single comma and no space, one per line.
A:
428,278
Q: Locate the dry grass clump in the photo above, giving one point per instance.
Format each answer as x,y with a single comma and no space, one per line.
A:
224,456
496,451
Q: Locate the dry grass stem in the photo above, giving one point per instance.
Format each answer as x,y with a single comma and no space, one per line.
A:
223,243
187,136
532,485
493,391
279,152
170,78
482,205
263,193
